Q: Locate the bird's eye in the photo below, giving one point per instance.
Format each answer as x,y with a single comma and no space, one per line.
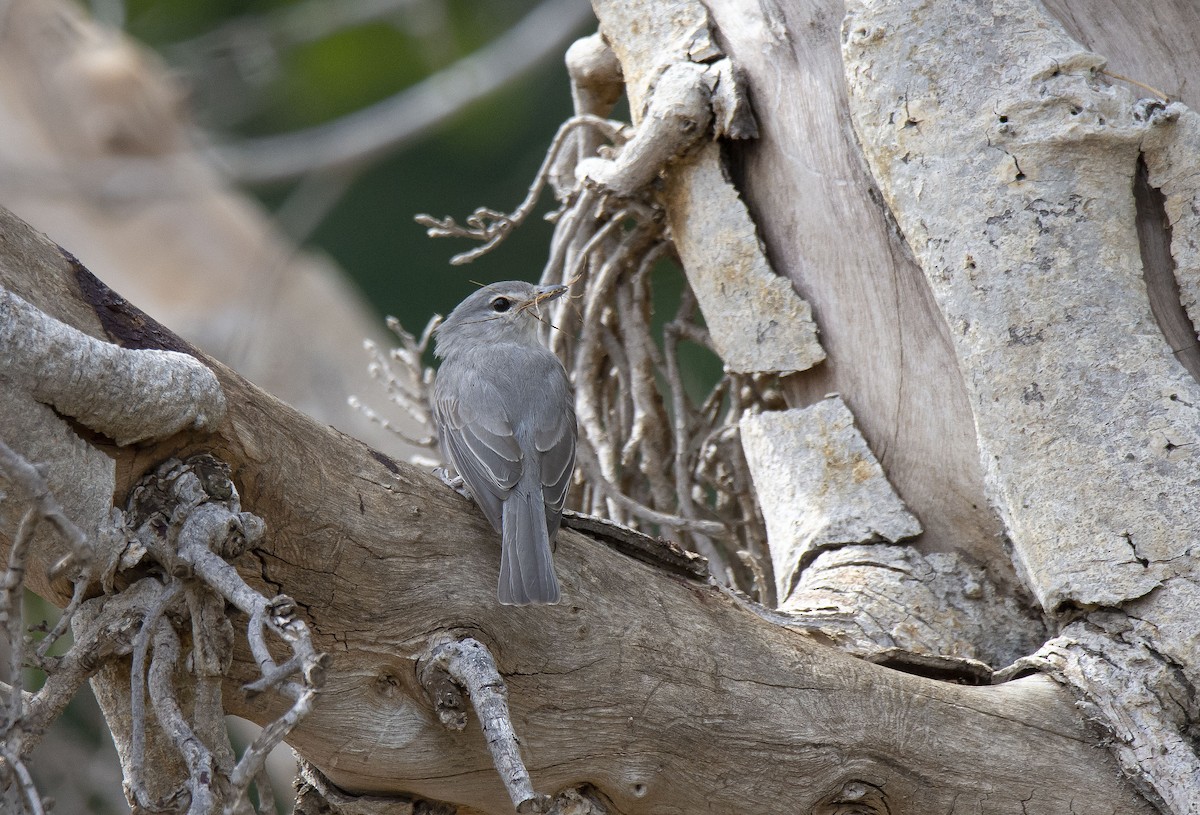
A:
501,304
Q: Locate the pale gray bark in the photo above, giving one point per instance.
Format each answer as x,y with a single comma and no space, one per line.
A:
816,210
819,486
977,256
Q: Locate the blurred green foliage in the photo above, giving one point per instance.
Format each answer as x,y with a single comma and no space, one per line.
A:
487,158
257,68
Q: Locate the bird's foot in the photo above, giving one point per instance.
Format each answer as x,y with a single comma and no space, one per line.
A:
454,482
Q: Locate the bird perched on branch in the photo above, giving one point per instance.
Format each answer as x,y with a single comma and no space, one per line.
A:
506,422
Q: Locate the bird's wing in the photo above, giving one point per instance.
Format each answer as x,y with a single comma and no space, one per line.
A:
555,440
481,445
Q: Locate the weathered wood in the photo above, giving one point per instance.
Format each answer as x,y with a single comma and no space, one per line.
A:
1154,45
812,198
1151,43
1050,209
1016,195
682,97
668,694
819,486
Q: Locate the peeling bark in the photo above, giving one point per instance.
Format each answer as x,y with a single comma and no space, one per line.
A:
819,486
1020,208
1038,194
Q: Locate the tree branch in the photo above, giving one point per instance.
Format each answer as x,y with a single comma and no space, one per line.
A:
465,666
653,687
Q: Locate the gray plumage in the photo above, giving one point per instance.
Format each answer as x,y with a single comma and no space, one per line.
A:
506,422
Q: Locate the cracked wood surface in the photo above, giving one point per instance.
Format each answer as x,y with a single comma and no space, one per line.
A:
1053,212
668,694
1012,177
888,349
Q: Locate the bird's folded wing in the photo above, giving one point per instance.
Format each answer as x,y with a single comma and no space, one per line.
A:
482,447
555,440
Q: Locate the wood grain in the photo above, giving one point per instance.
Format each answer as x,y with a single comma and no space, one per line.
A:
668,694
824,227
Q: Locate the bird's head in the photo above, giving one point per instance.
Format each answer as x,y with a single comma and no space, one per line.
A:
500,312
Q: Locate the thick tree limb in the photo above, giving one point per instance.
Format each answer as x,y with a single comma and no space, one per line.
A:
814,205
1022,176
667,694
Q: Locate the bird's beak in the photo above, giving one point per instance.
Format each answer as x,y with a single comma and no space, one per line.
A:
545,293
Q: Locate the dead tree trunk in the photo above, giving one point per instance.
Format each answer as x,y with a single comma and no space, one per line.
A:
988,241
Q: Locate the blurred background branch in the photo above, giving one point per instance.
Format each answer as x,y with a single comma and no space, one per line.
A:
388,125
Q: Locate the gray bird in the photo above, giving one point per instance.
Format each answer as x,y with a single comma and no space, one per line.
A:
506,421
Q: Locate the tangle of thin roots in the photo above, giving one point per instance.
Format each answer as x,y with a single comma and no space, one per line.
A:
169,589
651,456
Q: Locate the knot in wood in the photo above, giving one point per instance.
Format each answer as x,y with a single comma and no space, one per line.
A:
282,610
855,797
447,695
246,530
582,800
537,805
176,487
314,669
165,503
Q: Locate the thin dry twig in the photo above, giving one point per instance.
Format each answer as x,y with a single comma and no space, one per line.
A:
492,226
645,513
105,628
408,382
170,717
137,695
14,620
208,529
24,718
187,517
33,800
648,456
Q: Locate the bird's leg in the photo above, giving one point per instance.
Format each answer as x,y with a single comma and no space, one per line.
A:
454,482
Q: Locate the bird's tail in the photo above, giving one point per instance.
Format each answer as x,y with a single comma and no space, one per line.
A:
526,565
